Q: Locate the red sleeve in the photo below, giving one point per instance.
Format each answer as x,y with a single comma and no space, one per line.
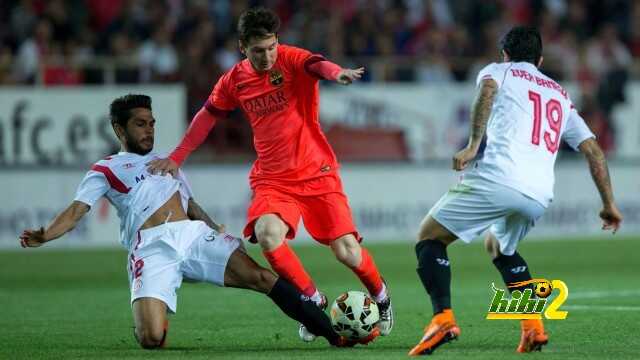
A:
315,65
197,132
222,94
319,67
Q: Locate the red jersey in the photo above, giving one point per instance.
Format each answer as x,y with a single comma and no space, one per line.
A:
282,107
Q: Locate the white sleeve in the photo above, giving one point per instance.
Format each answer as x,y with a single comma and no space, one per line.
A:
494,71
93,187
185,187
576,131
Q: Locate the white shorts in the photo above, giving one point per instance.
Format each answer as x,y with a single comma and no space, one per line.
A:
163,255
475,205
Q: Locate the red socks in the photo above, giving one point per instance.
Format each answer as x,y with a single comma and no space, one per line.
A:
287,264
368,274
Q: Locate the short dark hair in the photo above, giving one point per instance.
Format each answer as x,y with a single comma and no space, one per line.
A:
523,43
257,23
120,109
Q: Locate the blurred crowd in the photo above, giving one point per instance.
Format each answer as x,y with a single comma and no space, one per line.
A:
70,42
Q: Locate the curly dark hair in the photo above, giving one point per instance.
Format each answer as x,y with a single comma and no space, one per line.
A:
523,43
257,23
120,109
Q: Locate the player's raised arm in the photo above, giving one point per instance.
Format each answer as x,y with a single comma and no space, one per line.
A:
195,212
610,215
480,112
327,70
61,224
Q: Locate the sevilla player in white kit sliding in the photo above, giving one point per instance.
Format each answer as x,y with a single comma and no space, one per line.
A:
525,114
168,236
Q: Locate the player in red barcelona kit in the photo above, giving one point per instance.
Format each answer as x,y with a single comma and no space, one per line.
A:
167,234
296,173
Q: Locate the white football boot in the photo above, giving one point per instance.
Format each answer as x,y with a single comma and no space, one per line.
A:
305,334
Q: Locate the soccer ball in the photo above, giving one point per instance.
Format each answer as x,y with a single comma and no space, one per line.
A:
543,289
354,315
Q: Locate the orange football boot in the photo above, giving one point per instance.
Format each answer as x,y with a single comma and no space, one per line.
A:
441,330
533,336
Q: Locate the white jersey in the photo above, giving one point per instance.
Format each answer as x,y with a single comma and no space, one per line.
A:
135,193
531,113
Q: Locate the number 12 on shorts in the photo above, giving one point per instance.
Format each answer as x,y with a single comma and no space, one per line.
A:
135,266
553,114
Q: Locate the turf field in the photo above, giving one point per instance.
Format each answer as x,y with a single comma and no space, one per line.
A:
75,304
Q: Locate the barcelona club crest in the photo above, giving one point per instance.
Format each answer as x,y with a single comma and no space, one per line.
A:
276,78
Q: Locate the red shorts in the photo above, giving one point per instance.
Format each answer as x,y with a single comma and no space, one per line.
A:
324,208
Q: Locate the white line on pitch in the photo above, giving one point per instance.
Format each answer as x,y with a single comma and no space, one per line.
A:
602,294
601,307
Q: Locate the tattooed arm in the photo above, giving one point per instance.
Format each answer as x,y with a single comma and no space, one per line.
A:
610,215
195,212
480,112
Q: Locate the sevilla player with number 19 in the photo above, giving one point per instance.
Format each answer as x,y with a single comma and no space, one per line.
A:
296,173
525,114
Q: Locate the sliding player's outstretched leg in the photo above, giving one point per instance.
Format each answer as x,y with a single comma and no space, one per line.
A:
435,274
314,319
513,269
244,272
349,252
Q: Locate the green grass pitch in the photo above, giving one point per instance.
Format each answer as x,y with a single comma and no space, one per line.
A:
75,304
